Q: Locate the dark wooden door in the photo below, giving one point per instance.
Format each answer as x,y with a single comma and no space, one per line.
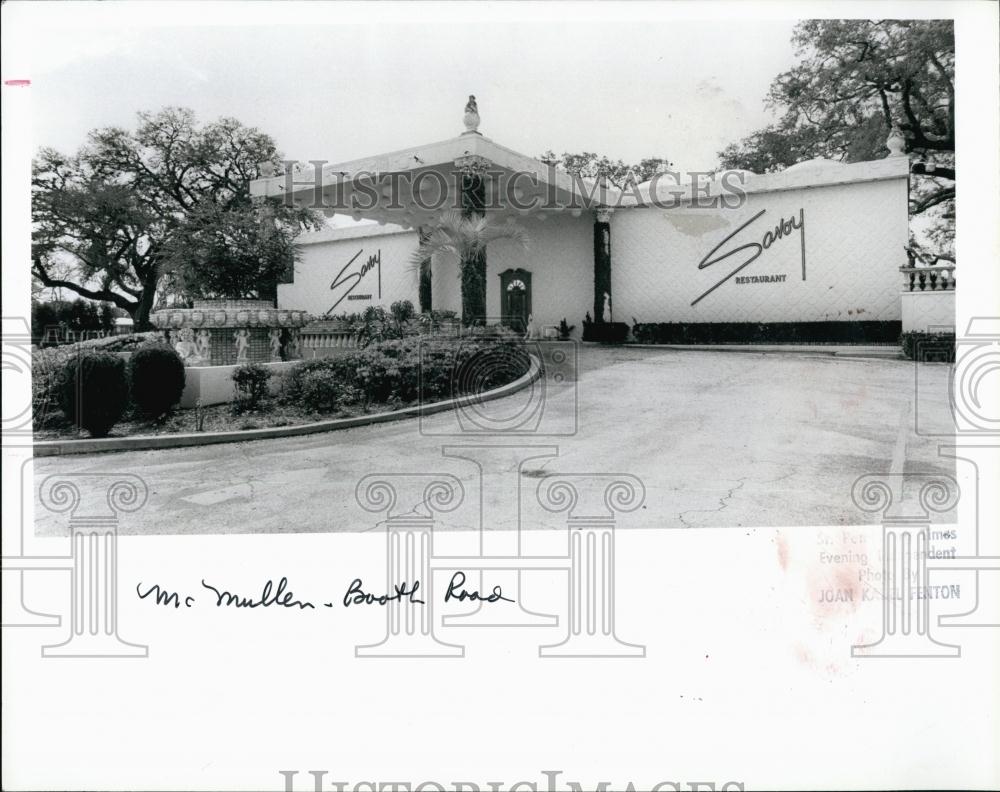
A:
515,301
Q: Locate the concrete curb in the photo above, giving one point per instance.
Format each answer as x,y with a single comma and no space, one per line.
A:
833,350
44,448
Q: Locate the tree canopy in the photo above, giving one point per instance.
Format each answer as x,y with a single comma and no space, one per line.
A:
594,166
855,82
134,211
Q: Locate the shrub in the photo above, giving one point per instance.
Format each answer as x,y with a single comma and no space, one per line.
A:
156,379
340,366
251,381
323,390
47,373
378,325
402,311
823,332
605,332
437,321
94,391
426,368
929,347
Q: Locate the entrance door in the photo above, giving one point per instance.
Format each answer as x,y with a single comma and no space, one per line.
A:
515,300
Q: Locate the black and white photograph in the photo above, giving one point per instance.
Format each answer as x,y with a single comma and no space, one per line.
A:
500,395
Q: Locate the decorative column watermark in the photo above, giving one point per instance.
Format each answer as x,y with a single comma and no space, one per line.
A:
94,512
591,503
906,628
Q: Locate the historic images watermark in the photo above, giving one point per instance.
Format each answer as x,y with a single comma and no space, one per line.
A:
365,190
510,476
18,360
318,781
906,572
973,384
410,507
548,405
93,506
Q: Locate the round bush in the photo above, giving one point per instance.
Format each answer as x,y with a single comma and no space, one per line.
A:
94,391
251,383
324,390
156,379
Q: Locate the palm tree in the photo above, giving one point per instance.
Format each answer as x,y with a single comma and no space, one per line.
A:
466,238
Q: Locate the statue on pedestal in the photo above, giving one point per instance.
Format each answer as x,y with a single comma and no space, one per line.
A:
531,332
471,118
204,342
292,351
274,340
242,339
186,348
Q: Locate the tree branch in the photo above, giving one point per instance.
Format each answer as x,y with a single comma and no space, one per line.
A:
930,169
922,205
39,271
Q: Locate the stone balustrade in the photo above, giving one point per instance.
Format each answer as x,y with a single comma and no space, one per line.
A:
326,338
928,298
936,278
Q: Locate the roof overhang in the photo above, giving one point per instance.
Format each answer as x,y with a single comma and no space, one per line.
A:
411,186
726,186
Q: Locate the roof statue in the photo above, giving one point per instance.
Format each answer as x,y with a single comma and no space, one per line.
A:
471,119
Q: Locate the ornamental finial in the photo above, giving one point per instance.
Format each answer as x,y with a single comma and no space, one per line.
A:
471,119
896,143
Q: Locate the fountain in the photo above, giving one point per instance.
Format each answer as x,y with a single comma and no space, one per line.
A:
215,336
230,332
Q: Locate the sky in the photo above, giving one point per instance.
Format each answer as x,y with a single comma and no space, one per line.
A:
340,86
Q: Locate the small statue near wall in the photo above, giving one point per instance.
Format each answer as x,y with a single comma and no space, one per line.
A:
186,348
204,341
531,333
292,351
242,339
274,340
607,308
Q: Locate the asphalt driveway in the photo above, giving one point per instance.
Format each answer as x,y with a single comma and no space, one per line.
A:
719,439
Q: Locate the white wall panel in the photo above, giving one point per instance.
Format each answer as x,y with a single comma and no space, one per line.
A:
853,237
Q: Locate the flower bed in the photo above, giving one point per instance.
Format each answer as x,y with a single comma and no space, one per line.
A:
386,376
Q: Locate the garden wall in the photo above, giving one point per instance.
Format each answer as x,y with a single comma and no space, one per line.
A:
828,253
928,311
345,270
214,384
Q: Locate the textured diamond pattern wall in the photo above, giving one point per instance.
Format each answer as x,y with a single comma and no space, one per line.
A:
854,235
925,310
368,269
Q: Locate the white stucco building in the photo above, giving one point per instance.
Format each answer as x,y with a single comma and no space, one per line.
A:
819,243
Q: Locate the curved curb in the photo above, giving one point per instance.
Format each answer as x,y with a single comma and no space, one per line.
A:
45,448
865,352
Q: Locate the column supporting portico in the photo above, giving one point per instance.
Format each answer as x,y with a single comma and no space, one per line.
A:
602,261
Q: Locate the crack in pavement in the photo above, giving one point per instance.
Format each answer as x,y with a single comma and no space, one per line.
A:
722,503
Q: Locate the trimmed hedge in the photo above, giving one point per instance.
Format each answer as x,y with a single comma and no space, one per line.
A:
94,391
425,368
929,347
322,390
251,381
859,332
48,366
605,332
156,379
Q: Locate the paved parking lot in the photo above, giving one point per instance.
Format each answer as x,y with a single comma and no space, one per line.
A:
719,439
